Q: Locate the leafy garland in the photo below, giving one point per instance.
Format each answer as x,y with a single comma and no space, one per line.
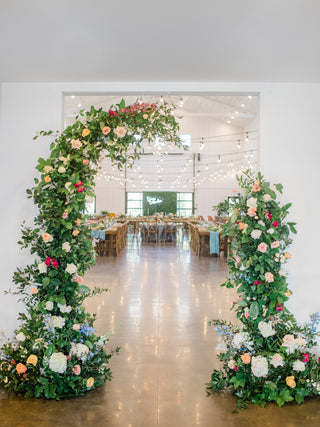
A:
269,357
56,352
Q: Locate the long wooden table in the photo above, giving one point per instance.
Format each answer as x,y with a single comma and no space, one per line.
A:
202,247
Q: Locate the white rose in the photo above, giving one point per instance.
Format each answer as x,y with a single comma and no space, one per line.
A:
266,329
267,198
61,169
231,364
76,144
270,231
277,360
49,305
66,246
282,272
58,321
67,185
42,267
301,342
76,327
298,366
71,268
64,308
252,202
259,366
20,336
261,223
58,363
120,131
255,234
47,169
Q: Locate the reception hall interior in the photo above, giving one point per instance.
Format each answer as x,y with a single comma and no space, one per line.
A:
150,241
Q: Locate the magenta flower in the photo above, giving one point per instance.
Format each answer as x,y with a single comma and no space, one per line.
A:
47,261
305,357
54,262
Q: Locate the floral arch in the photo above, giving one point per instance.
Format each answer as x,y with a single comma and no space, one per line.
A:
56,352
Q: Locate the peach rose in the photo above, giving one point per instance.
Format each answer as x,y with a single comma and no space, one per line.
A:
85,161
262,247
21,368
246,358
78,221
145,116
47,179
34,291
32,360
76,144
251,211
75,232
275,244
64,215
90,382
243,226
269,277
290,381
106,130
79,279
120,131
85,132
256,186
287,294
46,237
287,255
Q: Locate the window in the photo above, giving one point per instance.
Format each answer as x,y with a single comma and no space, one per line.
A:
90,206
184,204
135,204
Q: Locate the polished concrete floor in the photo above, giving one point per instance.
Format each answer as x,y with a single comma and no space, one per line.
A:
160,301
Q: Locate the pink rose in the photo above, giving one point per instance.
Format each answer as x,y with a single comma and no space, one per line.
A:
256,187
106,130
85,161
262,247
275,244
77,369
79,279
64,215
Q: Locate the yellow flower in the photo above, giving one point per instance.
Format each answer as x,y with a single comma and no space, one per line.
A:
90,382
32,360
47,179
291,382
75,232
85,132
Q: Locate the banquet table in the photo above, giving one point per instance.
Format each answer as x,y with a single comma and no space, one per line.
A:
160,226
210,242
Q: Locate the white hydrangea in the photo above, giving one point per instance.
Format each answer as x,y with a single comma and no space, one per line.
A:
242,339
267,198
42,268
252,202
58,321
266,329
64,308
80,350
47,169
221,346
20,336
66,246
298,366
259,366
49,305
71,268
277,360
255,234
58,362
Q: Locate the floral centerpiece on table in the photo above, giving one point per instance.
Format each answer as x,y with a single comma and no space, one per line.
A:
56,351
269,357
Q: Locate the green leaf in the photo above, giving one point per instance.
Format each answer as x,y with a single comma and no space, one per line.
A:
83,289
254,310
242,303
42,380
279,187
46,281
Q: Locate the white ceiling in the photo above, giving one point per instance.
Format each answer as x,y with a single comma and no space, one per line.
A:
143,40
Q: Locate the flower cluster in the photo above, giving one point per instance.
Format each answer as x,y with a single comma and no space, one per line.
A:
270,358
56,352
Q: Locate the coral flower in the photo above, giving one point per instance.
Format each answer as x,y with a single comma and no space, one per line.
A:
287,255
106,130
77,370
75,232
252,211
85,161
78,221
256,187
85,132
79,279
21,368
246,358
290,381
34,291
47,179
243,226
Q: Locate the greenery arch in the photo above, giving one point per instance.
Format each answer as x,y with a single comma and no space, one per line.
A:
56,352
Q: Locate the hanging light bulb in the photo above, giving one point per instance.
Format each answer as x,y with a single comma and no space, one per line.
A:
219,158
201,144
239,145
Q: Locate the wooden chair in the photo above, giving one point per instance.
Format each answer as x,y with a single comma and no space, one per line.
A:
196,244
152,230
143,231
169,231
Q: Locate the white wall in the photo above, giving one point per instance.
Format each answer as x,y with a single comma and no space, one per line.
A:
289,154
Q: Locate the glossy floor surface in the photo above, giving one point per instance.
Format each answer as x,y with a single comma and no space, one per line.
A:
160,301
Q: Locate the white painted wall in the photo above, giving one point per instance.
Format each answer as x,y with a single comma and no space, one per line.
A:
289,154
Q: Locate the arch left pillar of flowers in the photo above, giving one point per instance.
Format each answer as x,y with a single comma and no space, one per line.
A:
56,352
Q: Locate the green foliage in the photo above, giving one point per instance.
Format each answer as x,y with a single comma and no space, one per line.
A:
270,357
56,352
